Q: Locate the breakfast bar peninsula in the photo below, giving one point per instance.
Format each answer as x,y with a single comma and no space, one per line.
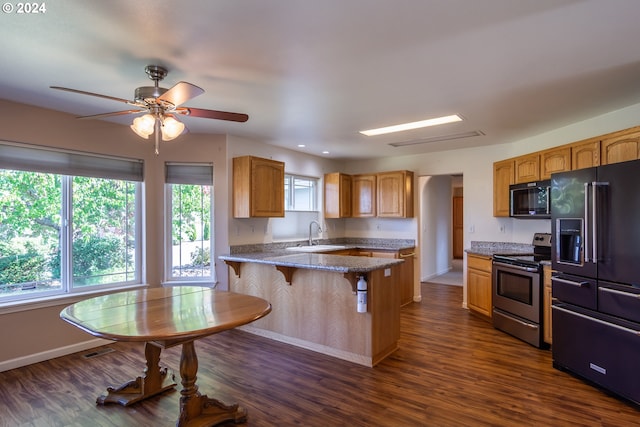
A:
314,301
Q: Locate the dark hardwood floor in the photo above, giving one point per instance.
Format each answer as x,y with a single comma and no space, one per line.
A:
453,369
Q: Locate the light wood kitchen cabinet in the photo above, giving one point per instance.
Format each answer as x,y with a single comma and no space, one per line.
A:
620,147
395,194
337,195
479,289
503,177
363,196
527,168
406,270
554,160
258,187
585,154
546,307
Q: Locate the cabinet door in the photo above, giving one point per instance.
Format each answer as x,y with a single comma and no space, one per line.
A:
620,148
556,160
527,168
337,195
395,194
363,196
267,188
585,154
258,187
503,177
479,290
406,275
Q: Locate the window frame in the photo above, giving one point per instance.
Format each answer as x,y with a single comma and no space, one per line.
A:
67,164
182,176
289,192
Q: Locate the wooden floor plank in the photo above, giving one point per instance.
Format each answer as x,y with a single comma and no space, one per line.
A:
452,369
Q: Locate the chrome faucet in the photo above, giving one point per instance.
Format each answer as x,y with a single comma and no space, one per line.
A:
310,227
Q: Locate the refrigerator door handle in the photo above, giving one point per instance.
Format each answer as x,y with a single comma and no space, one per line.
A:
594,218
570,282
594,222
586,221
594,319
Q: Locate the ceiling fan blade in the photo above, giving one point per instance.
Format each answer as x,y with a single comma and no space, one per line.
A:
213,114
82,92
116,113
181,92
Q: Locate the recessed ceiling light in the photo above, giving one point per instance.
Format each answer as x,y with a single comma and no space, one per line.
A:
301,145
412,125
325,152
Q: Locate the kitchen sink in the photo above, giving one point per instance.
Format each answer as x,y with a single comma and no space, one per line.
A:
316,248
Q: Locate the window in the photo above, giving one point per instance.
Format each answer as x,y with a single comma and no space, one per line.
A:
189,195
300,193
69,222
301,207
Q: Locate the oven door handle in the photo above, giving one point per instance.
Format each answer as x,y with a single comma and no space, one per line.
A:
570,282
516,267
523,323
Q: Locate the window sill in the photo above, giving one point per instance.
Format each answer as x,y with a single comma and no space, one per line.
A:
65,299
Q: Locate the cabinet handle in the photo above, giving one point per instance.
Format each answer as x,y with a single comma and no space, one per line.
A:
407,255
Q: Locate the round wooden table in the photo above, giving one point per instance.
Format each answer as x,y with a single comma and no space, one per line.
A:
163,317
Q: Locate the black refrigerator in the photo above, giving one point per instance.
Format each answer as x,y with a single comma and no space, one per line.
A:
595,224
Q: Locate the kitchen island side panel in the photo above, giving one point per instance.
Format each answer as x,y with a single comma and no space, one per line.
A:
318,311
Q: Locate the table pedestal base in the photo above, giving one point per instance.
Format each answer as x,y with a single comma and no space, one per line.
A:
201,411
156,380
198,410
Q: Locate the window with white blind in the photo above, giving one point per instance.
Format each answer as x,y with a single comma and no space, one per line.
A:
189,228
69,221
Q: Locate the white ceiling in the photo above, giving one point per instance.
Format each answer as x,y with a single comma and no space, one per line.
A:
316,72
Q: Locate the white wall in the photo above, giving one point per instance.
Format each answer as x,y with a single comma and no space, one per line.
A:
436,218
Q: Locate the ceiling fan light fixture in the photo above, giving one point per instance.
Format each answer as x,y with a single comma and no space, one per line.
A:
144,126
171,128
413,125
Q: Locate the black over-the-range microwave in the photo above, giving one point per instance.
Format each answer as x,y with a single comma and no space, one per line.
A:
530,200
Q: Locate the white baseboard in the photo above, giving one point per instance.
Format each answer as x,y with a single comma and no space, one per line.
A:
19,362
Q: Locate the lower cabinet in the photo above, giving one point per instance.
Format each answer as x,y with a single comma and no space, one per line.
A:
405,274
479,284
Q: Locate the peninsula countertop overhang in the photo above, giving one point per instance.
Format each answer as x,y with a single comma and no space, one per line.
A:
315,261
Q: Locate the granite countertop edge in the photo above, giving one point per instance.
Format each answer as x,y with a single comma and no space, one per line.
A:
315,261
489,249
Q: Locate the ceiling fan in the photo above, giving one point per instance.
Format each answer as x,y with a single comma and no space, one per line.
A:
160,105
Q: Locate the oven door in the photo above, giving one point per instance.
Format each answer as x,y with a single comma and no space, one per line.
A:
517,290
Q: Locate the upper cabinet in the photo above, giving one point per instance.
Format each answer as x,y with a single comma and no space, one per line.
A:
337,195
614,147
585,154
503,177
620,147
554,160
363,196
527,168
395,194
258,187
385,194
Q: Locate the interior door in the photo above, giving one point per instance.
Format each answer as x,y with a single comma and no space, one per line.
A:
458,227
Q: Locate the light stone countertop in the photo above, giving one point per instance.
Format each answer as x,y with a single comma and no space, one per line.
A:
315,261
